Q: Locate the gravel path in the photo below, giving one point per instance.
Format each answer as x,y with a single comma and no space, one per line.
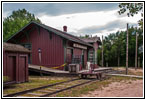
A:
119,89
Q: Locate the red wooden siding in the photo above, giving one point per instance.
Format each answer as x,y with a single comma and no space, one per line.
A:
85,58
77,51
23,73
69,55
11,67
15,67
4,63
95,45
51,47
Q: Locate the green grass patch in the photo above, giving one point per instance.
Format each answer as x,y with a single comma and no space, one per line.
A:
34,82
6,79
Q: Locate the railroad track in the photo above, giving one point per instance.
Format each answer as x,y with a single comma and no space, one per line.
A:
48,90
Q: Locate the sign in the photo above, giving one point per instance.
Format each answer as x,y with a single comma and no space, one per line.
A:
79,46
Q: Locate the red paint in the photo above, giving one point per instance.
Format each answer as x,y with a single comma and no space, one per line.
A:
77,51
14,67
23,71
65,28
95,45
52,47
52,51
69,55
85,58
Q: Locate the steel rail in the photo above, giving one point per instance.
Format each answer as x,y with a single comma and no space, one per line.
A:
38,88
61,90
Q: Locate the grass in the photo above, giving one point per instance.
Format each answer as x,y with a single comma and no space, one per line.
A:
98,85
34,81
6,78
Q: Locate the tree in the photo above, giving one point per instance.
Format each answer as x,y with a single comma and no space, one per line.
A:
115,48
16,21
132,9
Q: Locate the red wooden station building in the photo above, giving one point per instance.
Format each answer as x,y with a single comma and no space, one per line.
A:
51,47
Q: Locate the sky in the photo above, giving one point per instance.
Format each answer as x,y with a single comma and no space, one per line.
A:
80,18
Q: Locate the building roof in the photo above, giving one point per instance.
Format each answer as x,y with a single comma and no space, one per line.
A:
14,48
56,31
92,39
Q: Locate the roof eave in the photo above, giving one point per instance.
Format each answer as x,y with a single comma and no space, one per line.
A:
45,27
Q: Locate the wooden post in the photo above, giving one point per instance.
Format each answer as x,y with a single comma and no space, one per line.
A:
118,52
138,62
106,64
118,60
95,52
127,52
136,51
102,51
41,71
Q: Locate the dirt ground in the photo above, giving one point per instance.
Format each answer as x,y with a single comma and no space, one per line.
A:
130,88
119,89
131,71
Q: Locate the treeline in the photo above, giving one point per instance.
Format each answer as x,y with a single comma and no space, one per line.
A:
115,48
16,21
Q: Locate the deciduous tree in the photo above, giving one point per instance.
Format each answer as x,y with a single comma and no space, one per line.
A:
16,21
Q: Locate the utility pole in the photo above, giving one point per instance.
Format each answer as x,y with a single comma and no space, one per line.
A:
102,51
136,51
118,52
138,62
127,52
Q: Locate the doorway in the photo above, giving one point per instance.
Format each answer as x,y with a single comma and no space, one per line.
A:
11,68
22,68
82,60
69,55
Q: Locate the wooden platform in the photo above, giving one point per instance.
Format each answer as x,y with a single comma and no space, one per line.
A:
9,83
51,71
100,69
46,70
105,69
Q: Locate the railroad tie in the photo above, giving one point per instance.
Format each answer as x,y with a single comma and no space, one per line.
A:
36,94
52,89
44,91
61,85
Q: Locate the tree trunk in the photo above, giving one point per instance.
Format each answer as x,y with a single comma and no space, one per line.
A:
118,61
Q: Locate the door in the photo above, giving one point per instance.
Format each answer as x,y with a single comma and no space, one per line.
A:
11,68
22,68
69,55
82,59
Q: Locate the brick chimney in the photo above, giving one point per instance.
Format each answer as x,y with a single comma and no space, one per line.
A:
65,28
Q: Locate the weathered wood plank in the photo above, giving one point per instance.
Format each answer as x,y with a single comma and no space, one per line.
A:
132,76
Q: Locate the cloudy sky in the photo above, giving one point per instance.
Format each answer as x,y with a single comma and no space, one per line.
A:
80,18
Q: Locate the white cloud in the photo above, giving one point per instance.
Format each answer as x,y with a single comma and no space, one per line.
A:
6,14
78,21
